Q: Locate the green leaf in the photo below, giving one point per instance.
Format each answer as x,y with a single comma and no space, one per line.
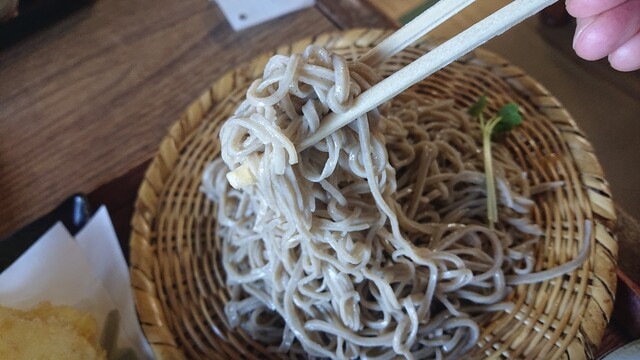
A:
509,118
476,109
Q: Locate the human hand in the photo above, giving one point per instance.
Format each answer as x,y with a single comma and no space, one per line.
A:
608,28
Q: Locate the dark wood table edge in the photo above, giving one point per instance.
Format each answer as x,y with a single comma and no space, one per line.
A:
119,196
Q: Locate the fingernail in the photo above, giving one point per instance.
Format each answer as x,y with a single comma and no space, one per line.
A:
581,25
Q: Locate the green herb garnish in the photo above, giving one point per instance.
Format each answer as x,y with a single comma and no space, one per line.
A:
508,118
476,109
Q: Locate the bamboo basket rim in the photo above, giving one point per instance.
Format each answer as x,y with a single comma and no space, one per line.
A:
149,298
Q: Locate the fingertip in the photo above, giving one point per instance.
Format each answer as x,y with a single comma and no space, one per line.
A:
599,36
587,8
574,9
623,67
627,57
588,43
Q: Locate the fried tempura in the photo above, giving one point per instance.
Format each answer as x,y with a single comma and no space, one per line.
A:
48,332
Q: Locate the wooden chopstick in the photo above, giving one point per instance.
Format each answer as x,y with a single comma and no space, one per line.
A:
476,35
412,31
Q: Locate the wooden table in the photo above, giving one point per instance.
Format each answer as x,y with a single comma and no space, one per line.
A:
90,97
85,102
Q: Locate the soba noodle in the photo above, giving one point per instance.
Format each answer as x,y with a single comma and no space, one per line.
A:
373,242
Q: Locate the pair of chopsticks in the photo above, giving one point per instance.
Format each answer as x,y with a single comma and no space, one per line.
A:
476,35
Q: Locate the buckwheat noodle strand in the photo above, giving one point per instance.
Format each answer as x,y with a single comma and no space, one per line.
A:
372,243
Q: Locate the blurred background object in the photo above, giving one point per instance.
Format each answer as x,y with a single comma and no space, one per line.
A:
19,18
8,9
555,15
247,13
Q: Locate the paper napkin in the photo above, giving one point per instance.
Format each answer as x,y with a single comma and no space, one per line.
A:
88,273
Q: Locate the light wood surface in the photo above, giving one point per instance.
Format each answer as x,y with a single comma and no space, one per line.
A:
397,8
87,99
470,15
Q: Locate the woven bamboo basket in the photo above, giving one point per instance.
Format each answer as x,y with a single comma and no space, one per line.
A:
176,269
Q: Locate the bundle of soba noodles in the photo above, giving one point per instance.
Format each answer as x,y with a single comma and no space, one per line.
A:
372,243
